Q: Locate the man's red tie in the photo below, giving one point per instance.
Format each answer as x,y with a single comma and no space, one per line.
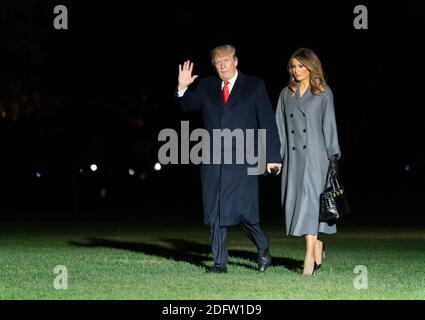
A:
225,91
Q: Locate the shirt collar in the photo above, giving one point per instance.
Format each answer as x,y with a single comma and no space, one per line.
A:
233,79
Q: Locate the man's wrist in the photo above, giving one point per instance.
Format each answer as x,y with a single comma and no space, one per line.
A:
180,92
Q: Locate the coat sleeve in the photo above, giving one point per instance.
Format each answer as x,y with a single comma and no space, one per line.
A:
190,101
329,128
266,120
280,122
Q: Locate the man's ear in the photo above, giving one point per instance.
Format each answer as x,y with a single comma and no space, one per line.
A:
236,62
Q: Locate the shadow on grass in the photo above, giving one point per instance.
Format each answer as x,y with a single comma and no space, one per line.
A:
288,263
187,251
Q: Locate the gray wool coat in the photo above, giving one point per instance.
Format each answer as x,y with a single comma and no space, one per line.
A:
308,136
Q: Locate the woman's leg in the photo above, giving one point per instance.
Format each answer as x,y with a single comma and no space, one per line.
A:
318,251
310,241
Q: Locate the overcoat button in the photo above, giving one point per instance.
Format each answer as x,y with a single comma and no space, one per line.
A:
304,147
292,131
291,115
293,148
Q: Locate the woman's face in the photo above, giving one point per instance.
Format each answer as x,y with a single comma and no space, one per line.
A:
299,71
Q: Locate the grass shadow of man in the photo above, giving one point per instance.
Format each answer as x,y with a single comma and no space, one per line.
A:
181,250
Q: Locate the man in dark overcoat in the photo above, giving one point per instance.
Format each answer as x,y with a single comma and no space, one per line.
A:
235,105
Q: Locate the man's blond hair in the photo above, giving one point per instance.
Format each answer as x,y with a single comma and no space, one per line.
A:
223,50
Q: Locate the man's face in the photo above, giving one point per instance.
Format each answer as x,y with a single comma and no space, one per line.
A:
225,66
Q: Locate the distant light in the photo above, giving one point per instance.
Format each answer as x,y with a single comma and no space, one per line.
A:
38,174
93,167
103,192
157,166
143,175
131,172
406,167
81,170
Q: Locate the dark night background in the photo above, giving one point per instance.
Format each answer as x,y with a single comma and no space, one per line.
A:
101,91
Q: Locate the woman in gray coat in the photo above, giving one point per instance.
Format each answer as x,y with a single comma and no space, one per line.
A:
305,118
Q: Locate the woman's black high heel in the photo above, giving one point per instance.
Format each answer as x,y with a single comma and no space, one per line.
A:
317,266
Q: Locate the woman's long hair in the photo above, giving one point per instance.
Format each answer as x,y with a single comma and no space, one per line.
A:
310,60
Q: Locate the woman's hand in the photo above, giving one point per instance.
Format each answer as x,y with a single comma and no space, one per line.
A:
333,166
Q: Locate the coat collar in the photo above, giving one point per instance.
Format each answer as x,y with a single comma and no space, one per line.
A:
234,94
300,100
236,91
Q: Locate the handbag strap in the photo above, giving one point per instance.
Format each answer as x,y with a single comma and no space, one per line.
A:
335,180
332,182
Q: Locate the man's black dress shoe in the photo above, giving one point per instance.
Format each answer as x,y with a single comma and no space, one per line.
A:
264,260
217,268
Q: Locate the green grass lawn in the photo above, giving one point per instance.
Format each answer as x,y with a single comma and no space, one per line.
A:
136,259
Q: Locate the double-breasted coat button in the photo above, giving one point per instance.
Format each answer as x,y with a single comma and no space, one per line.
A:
293,148
304,147
292,131
304,130
291,115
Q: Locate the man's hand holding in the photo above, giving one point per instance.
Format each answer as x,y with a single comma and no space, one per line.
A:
271,166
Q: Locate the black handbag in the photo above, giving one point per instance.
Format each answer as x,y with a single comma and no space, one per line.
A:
333,201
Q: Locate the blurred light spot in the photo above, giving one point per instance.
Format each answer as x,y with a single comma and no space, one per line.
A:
93,167
131,172
407,167
157,166
38,174
81,170
103,192
143,176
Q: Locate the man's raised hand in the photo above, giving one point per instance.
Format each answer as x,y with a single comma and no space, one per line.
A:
185,75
